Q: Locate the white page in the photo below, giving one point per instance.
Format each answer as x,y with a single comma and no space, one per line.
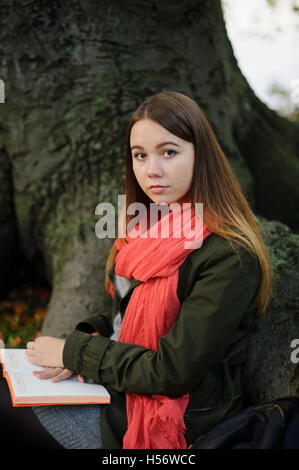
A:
26,385
16,360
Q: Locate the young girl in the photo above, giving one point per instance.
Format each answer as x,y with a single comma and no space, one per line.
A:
171,350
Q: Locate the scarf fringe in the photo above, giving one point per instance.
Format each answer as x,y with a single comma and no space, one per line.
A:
169,439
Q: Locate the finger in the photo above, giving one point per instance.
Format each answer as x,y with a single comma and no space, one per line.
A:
30,353
43,374
65,374
47,372
30,356
81,378
29,345
34,358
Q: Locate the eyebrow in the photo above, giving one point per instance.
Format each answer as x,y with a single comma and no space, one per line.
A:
157,146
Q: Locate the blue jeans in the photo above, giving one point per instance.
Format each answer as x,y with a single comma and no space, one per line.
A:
73,426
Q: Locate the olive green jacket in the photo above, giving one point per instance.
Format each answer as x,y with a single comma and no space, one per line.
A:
202,353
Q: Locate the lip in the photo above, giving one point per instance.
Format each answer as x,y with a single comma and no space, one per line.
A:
158,189
157,186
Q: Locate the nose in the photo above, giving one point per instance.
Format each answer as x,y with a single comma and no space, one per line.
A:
154,166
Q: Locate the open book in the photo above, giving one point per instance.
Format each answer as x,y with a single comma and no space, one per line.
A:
27,390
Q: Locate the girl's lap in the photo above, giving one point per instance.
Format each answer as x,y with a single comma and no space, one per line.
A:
73,426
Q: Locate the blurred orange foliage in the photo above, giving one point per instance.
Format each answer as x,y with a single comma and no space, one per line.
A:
19,307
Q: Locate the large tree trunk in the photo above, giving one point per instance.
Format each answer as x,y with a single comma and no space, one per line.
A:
74,71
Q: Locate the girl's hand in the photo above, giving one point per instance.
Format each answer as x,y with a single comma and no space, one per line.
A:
47,351
56,373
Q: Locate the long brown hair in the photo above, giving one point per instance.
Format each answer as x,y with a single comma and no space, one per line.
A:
214,184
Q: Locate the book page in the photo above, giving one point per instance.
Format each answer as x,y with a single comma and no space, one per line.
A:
26,385
16,360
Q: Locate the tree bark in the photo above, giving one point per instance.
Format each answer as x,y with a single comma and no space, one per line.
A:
74,72
272,370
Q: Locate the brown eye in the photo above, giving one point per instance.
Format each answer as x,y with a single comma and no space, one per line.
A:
173,152
137,155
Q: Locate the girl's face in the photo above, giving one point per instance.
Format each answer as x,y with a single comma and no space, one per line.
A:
161,159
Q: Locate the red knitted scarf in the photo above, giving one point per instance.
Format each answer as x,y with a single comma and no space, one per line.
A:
155,421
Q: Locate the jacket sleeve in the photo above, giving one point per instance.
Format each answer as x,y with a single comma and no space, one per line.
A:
200,336
99,322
